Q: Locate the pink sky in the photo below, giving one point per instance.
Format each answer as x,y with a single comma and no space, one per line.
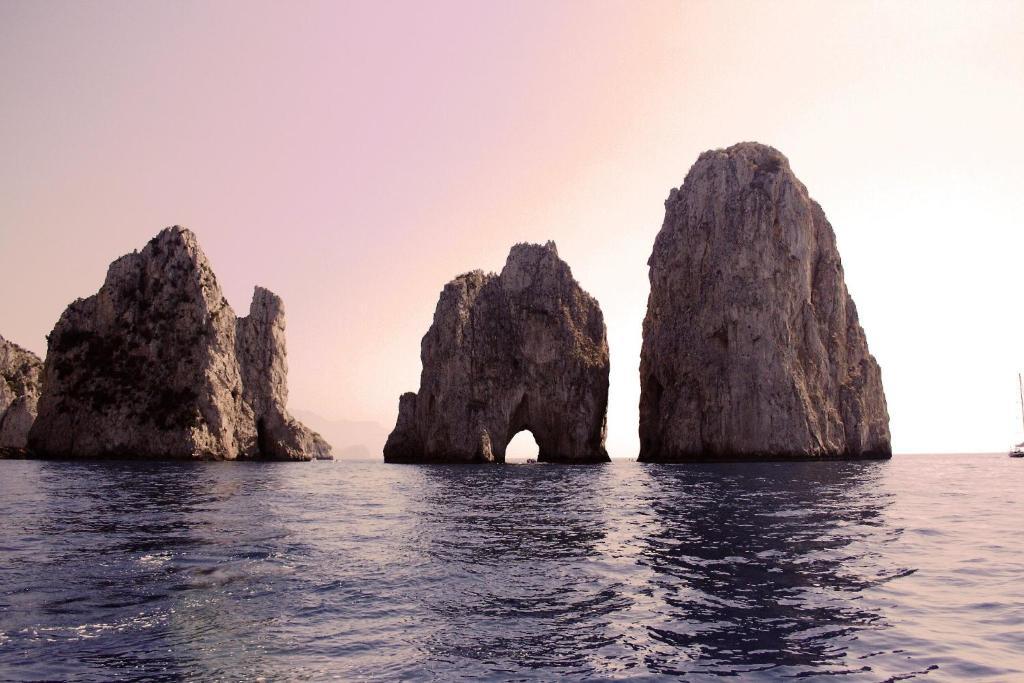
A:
353,157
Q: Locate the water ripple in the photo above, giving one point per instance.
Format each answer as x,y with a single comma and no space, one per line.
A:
899,570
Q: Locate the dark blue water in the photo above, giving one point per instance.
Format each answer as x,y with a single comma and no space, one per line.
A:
861,571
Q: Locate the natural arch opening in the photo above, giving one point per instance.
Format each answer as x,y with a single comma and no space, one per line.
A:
522,447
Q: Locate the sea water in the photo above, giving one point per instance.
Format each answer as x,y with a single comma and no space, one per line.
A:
862,571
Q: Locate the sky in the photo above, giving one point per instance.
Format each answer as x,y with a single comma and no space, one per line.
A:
355,156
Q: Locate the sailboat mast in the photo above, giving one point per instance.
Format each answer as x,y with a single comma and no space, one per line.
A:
1020,385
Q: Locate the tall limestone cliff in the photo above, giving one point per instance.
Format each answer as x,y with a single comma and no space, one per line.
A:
20,371
525,349
259,346
751,345
156,365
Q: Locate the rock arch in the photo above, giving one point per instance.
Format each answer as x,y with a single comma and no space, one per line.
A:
526,349
522,445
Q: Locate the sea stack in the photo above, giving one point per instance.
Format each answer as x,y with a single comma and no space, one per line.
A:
157,365
525,349
20,371
751,346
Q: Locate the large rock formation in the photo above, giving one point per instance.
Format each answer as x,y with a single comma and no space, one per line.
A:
751,346
20,370
260,349
156,365
522,350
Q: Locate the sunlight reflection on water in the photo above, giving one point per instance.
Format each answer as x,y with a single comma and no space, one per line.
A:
868,570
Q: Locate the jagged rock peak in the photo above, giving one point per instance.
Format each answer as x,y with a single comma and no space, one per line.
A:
752,346
20,371
526,349
260,347
156,365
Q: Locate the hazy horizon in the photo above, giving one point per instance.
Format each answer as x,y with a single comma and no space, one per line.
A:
355,158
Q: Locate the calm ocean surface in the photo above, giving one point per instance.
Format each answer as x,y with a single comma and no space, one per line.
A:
912,568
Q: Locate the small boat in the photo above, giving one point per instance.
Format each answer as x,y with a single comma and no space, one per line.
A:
1018,450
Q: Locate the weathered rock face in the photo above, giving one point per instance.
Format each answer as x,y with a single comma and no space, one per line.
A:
525,349
752,347
20,371
259,346
156,365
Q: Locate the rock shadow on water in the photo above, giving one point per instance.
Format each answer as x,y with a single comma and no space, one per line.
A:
517,545
763,567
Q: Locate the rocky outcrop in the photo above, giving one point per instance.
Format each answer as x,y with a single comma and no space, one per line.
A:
751,345
259,346
20,371
525,349
156,365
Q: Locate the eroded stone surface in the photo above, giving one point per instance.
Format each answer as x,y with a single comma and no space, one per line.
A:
525,349
260,345
20,372
156,365
752,345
